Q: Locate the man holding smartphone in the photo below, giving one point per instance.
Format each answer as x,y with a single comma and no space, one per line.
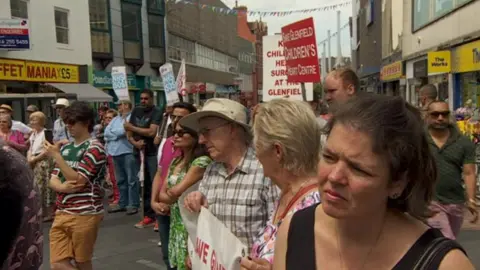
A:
77,178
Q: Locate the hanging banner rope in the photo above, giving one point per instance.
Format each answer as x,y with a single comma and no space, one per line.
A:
229,11
335,34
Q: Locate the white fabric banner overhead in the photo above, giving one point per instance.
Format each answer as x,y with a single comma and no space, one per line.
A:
275,83
169,84
215,246
182,79
120,83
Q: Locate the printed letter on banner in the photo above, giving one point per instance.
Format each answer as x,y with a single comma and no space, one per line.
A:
169,84
216,247
119,82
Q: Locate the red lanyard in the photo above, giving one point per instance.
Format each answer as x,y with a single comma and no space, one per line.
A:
295,198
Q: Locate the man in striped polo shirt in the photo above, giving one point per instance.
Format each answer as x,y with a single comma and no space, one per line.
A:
79,172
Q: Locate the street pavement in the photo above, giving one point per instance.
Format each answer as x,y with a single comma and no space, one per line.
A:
120,246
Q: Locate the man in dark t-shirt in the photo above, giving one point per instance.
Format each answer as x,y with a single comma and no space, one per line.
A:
141,132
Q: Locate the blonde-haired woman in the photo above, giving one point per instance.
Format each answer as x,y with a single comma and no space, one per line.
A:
41,163
287,143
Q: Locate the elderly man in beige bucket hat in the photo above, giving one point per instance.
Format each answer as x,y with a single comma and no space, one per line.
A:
233,187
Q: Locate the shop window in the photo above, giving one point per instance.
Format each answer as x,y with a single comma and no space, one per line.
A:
61,26
132,30
19,9
100,26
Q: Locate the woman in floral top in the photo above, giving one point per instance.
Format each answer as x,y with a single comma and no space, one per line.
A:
287,142
184,172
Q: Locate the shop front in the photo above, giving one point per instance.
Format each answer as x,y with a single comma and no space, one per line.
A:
370,80
466,74
439,68
227,91
156,85
24,82
103,80
393,80
416,75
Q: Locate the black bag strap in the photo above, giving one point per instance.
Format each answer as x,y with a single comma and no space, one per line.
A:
435,252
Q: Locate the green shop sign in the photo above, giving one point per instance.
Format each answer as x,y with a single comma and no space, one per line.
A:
156,83
103,79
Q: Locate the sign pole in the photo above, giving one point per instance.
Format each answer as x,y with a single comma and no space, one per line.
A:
304,92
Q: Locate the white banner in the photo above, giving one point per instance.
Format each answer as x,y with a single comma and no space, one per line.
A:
169,84
215,246
120,83
182,79
275,83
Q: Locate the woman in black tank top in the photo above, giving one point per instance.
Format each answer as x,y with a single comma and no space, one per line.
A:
376,178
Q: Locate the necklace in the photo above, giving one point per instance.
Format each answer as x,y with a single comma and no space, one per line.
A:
276,217
375,243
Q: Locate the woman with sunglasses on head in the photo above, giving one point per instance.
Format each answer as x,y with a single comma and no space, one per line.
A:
376,178
184,173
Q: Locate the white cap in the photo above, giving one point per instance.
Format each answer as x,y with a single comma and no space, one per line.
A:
62,102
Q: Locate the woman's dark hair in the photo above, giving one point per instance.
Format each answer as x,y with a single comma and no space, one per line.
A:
198,149
80,111
185,105
397,133
14,173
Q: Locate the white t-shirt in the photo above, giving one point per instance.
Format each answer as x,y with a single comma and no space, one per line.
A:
36,142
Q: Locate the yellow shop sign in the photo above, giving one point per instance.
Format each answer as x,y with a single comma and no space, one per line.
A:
392,72
30,71
467,57
439,62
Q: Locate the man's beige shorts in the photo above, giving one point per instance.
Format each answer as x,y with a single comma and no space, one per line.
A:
73,237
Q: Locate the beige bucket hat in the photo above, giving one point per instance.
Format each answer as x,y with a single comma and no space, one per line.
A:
227,109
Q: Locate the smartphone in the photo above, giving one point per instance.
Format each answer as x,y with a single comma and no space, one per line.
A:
49,135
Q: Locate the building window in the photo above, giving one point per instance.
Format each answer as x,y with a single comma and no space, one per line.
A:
19,9
204,56
180,48
426,11
100,26
156,6
156,33
61,25
132,30
220,61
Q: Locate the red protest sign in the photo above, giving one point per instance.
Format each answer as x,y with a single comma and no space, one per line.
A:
300,50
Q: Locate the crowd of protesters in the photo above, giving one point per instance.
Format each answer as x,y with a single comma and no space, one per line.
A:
373,184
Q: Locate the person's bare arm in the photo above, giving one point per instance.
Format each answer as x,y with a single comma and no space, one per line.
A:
163,196
193,175
146,132
156,186
469,175
281,244
454,260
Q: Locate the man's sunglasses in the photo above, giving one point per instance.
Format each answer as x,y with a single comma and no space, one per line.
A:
445,114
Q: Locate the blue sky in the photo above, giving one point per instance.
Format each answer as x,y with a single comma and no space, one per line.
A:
324,20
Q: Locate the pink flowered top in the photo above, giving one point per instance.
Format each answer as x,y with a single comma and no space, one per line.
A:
264,245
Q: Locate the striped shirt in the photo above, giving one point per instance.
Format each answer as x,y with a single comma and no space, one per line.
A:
89,160
242,200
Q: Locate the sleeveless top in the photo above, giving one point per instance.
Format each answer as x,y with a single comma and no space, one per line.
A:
426,254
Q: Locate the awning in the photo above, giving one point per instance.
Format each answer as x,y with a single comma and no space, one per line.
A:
84,91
